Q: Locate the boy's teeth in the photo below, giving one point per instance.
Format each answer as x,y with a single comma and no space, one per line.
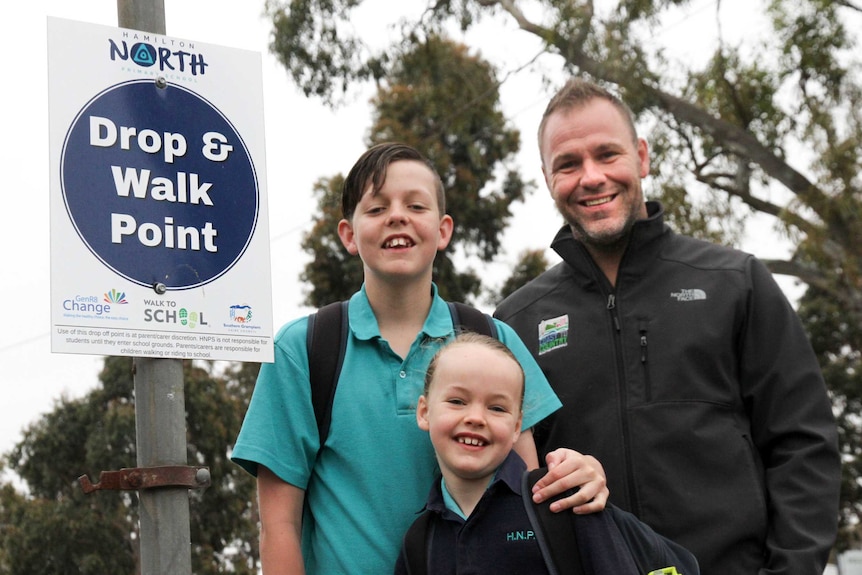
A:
470,441
397,243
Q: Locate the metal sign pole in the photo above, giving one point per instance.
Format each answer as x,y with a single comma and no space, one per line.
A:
161,441
160,417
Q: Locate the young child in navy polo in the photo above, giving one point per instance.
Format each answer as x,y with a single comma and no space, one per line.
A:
476,518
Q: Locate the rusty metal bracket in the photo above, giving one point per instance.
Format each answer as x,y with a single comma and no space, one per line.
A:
135,478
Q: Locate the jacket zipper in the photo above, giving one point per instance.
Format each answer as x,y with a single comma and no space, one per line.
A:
621,377
612,306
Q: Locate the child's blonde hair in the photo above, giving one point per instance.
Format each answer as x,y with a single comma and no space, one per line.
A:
468,337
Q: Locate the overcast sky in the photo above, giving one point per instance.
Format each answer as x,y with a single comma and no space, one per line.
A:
304,141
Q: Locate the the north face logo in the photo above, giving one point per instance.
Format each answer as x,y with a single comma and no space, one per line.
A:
688,295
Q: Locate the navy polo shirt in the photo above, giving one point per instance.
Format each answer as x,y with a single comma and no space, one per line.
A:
497,528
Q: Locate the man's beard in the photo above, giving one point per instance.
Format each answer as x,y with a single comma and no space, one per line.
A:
605,240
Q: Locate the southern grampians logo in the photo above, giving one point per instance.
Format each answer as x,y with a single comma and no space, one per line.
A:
240,313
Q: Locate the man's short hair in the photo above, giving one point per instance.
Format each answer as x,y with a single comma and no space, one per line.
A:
579,92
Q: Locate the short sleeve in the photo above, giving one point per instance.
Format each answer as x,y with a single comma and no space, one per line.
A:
279,429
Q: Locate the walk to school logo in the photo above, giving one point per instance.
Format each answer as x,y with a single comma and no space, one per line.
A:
688,295
191,318
553,333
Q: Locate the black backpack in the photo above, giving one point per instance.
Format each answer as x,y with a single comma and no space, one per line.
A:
613,541
327,330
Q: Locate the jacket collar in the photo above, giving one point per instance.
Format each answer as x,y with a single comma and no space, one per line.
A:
639,252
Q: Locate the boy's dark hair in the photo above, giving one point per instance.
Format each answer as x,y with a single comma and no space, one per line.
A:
371,167
467,337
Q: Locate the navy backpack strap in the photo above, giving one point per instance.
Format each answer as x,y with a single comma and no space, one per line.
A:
468,318
555,532
417,544
609,541
653,553
327,335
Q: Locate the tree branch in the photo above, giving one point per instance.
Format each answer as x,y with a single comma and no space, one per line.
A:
812,277
849,299
849,4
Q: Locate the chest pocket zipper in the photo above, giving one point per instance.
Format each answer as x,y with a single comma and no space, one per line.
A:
645,364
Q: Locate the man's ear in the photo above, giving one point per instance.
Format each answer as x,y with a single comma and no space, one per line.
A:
422,413
347,237
643,158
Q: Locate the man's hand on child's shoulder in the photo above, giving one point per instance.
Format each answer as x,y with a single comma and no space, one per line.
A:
579,478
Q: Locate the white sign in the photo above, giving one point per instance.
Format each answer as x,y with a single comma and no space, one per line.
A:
159,226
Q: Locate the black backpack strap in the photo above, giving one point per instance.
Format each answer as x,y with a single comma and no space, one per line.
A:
653,553
468,318
555,532
417,544
609,541
327,331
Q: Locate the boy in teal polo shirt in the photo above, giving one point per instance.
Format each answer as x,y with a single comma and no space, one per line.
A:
344,509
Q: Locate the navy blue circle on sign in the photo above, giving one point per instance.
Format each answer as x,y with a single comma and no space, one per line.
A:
159,185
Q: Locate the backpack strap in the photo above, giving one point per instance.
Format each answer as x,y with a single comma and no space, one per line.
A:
416,546
327,330
653,553
468,318
555,532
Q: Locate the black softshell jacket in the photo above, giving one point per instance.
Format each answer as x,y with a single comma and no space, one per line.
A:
693,383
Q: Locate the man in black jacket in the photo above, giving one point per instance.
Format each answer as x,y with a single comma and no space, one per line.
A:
681,365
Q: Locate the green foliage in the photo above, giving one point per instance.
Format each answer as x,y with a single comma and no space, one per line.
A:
69,535
832,332
333,273
57,529
307,41
530,264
